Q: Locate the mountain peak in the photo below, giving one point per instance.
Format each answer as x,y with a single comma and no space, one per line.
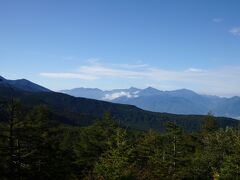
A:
133,89
24,84
184,91
149,91
2,78
150,87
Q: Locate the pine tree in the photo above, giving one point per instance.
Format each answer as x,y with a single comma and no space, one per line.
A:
114,163
176,152
209,124
11,132
93,142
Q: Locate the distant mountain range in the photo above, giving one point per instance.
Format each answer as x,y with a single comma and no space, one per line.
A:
82,111
182,101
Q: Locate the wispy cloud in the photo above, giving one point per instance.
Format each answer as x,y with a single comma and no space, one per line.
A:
217,20
222,80
195,70
235,31
69,76
95,70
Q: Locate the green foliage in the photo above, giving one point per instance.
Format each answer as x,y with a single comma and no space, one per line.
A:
209,124
30,145
93,141
34,146
114,163
230,168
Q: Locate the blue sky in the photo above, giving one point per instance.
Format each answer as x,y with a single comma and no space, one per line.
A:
167,44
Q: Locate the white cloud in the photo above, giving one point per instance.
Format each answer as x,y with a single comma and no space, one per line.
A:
105,71
69,76
94,70
217,20
116,95
131,66
235,31
221,81
194,70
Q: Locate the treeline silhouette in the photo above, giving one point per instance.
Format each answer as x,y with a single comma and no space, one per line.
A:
34,146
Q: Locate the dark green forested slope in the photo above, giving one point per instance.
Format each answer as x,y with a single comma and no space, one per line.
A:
34,146
81,111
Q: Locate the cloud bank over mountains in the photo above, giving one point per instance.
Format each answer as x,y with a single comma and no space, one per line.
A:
182,101
221,81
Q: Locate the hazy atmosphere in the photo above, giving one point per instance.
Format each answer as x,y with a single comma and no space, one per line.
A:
118,44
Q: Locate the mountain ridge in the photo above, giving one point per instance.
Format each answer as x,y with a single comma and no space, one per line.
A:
180,101
82,111
23,84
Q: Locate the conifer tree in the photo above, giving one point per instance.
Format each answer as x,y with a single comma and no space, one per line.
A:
114,163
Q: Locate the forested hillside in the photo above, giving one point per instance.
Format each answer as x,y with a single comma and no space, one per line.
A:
34,146
48,135
81,111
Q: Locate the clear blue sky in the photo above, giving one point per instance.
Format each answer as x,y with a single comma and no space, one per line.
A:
167,44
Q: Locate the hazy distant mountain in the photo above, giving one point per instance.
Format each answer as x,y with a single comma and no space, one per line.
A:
182,101
23,84
82,111
91,93
94,93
